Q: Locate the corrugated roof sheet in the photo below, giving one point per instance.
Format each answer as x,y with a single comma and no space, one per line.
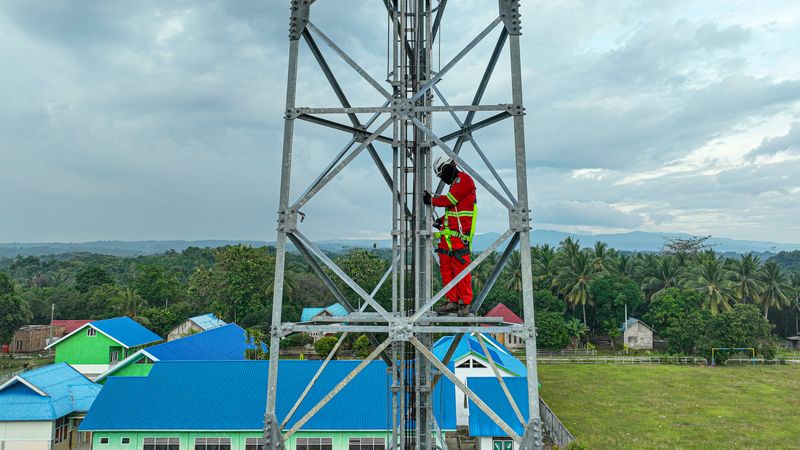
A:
469,345
630,322
231,395
66,391
207,321
501,310
335,310
126,330
489,390
70,325
227,342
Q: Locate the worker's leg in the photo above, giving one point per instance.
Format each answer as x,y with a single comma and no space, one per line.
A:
464,287
446,269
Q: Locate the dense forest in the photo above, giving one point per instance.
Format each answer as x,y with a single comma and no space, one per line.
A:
691,296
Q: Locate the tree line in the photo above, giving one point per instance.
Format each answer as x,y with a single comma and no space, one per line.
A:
580,292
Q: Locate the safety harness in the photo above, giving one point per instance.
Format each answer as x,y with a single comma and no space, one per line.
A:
459,234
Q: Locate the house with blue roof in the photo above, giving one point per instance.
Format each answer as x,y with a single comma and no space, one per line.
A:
312,314
225,343
490,435
196,324
43,408
470,360
224,404
96,346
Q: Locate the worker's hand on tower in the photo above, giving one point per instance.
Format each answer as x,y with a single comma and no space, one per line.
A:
438,223
426,198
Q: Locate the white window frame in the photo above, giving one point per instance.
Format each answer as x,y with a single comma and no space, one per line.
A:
366,443
155,441
314,443
107,442
91,332
217,441
125,443
258,443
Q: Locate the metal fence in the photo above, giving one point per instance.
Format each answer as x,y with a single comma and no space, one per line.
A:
573,352
686,360
558,433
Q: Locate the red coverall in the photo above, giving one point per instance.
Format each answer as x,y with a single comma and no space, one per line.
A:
455,238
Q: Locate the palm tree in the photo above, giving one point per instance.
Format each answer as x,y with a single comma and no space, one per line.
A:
747,286
545,268
574,280
513,273
625,265
577,331
712,281
660,273
601,256
569,248
775,287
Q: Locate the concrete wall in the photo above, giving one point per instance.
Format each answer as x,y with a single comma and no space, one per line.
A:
238,438
186,328
638,336
28,435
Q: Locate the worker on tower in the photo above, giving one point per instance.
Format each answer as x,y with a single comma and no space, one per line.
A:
457,227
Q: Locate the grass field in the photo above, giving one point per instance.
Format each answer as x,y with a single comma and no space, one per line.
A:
665,406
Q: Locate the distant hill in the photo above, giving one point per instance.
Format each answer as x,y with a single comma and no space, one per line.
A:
634,241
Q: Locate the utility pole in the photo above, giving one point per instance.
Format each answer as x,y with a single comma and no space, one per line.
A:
401,130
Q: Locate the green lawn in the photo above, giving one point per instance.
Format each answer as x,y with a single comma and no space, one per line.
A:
665,406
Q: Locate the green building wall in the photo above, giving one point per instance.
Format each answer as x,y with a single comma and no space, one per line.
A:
82,349
341,439
130,369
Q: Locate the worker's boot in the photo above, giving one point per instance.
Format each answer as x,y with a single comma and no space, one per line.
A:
463,310
448,308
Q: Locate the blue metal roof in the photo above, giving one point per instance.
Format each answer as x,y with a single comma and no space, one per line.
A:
227,342
126,330
207,321
65,391
231,395
489,390
469,345
335,310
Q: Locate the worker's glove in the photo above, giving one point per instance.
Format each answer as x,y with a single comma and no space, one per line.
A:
438,223
426,198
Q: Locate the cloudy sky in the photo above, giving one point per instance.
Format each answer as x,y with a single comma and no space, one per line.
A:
163,120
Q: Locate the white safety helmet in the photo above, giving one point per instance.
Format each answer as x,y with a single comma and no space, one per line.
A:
440,162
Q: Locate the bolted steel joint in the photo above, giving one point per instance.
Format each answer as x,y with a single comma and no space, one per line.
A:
272,433
402,109
291,113
518,219
400,330
509,13
299,18
287,220
515,110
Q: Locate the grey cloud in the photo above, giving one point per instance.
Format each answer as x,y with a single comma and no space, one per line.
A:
789,142
595,213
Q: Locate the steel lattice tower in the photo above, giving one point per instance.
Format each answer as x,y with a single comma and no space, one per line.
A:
403,336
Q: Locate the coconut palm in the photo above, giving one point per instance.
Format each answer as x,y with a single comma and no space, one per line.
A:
512,278
574,281
659,273
625,265
568,249
745,277
577,331
545,267
602,255
712,281
775,287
